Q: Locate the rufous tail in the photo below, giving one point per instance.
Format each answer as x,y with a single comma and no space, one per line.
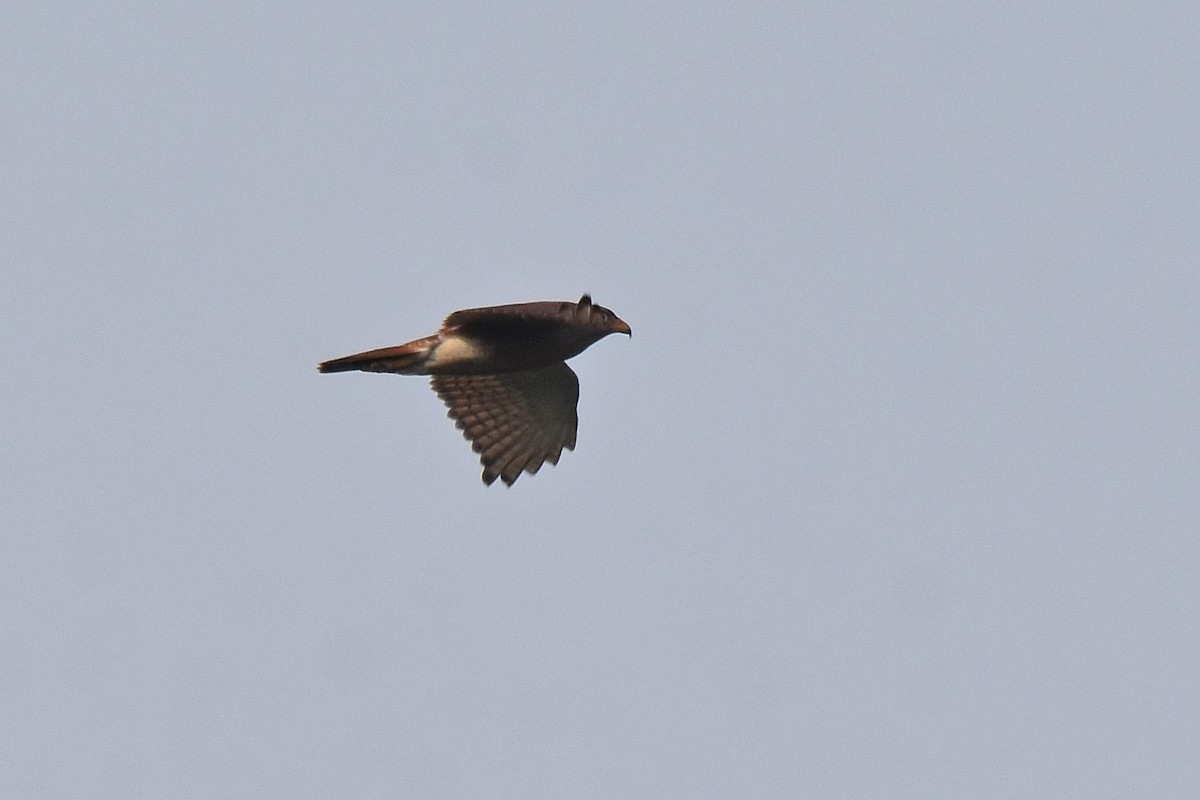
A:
404,358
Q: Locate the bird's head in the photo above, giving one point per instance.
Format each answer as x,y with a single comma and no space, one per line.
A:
599,318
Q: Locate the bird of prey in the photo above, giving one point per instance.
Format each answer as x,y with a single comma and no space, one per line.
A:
501,371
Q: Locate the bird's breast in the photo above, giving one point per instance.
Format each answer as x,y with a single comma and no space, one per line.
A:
489,351
457,354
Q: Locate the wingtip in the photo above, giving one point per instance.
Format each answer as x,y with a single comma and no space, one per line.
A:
489,478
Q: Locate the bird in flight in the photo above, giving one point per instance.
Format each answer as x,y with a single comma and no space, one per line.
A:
501,371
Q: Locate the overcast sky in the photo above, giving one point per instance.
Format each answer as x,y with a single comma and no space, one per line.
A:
893,492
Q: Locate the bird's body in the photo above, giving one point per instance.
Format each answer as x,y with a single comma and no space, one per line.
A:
501,371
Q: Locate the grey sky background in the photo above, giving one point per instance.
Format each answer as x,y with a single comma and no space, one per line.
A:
893,492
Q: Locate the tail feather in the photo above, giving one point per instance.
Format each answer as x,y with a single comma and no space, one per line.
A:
404,358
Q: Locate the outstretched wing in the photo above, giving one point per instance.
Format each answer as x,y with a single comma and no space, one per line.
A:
537,314
516,421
